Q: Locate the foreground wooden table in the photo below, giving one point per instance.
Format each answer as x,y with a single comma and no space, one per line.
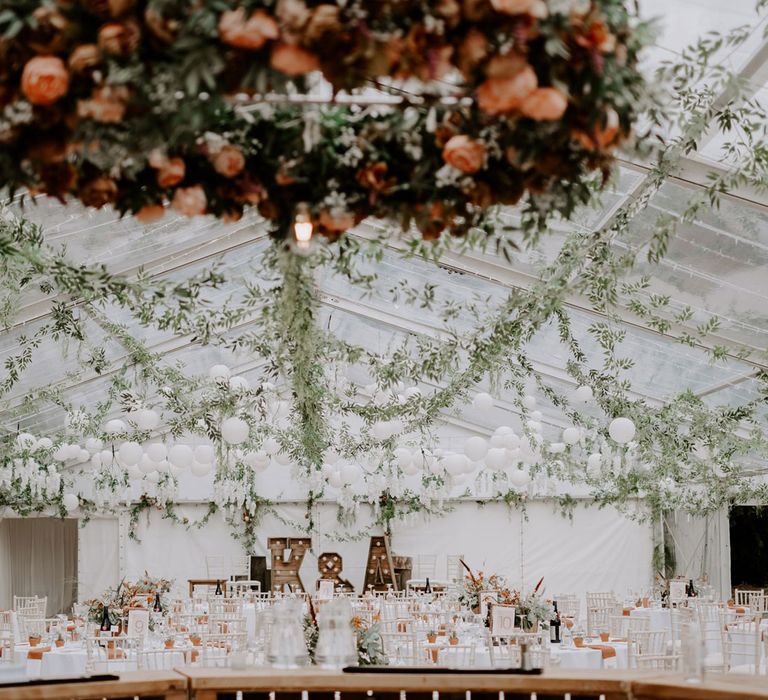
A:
154,685
223,684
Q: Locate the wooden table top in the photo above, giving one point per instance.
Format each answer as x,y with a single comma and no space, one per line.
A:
164,684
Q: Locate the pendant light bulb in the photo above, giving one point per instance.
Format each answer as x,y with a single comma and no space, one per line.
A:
302,226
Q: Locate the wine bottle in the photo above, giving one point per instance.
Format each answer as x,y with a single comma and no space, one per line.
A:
218,590
427,588
106,625
157,607
691,589
554,625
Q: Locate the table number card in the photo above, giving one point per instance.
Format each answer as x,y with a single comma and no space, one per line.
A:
502,620
677,591
138,623
325,589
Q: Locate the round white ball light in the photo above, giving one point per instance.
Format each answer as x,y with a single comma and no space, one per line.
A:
130,453
482,401
529,402
234,431
271,446
72,451
571,436
44,444
205,454
403,457
258,461
283,459
496,458
147,464
219,373
476,448
351,473
115,426
454,463
557,447
583,394
26,440
335,479
156,451
519,478
622,430
70,501
239,384
94,444
201,468
147,419
593,461
181,455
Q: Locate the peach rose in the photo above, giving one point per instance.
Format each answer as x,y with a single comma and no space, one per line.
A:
150,213
498,95
84,57
44,80
464,153
190,201
229,161
171,172
107,105
119,38
293,60
336,222
251,33
505,65
544,104
535,8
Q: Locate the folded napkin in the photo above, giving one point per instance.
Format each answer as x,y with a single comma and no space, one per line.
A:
37,652
626,611
604,649
618,639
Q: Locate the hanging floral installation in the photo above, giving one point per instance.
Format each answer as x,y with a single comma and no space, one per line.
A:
374,444
139,104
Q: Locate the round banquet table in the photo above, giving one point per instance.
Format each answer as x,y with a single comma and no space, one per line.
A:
660,619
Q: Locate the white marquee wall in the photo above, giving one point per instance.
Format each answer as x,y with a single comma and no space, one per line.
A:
599,550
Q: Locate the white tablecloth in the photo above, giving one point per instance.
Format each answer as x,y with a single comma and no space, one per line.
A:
660,619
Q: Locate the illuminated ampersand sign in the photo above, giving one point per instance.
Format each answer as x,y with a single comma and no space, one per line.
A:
330,565
287,557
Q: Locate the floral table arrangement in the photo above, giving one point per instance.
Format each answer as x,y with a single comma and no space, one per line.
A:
139,103
124,596
533,610
475,583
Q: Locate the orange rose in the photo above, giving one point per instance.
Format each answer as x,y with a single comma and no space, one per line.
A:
505,65
464,153
544,104
498,95
293,60
84,57
229,161
119,38
150,213
251,33
535,8
44,80
107,105
190,201
171,172
336,222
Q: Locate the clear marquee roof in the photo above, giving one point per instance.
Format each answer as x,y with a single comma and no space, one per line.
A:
717,266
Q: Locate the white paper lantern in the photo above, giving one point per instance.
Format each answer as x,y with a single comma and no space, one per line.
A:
351,473
557,447
534,426
403,457
454,463
583,394
571,436
382,430
330,457
26,441
72,452
147,464
411,469
498,439
270,446
219,373
335,479
519,478
205,453
536,415
152,477
147,419
282,459
94,445
476,448
529,402
96,460
106,457
83,457
44,443
201,468
234,431
239,384
258,461
594,461
181,455
70,501
483,401
496,458
130,453
622,430
115,426
134,472
511,441
164,466
156,451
